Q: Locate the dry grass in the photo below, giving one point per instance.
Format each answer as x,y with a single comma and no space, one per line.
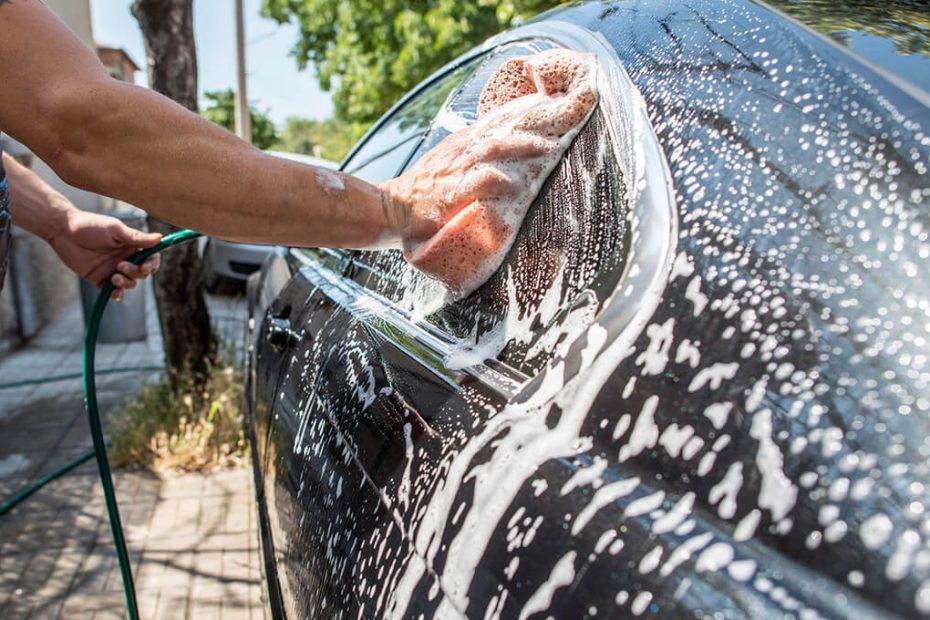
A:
191,431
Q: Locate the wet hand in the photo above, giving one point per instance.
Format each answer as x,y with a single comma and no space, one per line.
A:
458,208
95,246
464,167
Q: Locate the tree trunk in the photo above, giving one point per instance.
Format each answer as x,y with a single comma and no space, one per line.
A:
168,30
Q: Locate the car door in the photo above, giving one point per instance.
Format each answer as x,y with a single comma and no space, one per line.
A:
388,388
307,355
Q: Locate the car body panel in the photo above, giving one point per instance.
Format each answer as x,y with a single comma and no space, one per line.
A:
740,429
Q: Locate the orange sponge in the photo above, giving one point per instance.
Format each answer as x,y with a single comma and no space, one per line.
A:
528,114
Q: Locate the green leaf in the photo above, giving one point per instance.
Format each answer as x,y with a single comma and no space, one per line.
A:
371,53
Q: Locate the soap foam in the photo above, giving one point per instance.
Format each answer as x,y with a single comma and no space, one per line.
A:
544,100
330,181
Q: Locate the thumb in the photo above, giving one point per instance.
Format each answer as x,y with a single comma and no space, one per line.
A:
138,239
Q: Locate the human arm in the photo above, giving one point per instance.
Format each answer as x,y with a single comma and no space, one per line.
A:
131,143
92,245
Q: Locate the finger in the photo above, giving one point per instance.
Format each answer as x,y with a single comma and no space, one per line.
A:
152,263
137,238
480,185
116,295
149,266
122,282
575,108
100,274
510,81
488,182
517,147
138,272
128,270
561,115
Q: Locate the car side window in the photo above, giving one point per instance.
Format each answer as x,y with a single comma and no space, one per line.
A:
388,148
565,262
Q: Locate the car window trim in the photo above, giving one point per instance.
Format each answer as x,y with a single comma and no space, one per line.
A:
414,136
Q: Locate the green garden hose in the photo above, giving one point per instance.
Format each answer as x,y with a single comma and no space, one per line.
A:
20,497
76,375
93,415
96,429
24,494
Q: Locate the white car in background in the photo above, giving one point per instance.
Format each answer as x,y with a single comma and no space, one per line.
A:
227,265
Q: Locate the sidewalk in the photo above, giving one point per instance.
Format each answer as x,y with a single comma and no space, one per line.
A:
192,538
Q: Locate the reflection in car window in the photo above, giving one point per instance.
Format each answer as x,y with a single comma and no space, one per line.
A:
386,150
567,258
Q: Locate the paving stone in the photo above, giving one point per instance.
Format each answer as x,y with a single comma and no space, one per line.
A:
192,538
79,605
39,414
172,603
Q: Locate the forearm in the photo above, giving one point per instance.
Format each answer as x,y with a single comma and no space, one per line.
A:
93,246
187,171
35,205
131,143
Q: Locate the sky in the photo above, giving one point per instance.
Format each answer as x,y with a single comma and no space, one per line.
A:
275,86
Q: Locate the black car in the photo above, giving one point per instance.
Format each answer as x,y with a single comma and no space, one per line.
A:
697,387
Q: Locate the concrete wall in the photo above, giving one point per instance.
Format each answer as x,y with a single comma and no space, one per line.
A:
38,285
76,14
41,285
9,321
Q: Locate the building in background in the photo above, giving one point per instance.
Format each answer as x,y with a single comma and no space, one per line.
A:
118,63
38,285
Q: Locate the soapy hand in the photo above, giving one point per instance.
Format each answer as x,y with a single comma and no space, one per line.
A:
464,201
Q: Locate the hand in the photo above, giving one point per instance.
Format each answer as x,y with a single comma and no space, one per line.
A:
95,246
460,206
463,167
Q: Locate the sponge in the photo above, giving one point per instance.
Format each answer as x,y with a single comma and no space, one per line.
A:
542,100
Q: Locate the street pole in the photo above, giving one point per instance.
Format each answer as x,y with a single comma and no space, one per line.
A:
243,120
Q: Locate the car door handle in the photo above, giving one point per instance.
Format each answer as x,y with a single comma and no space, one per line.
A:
279,334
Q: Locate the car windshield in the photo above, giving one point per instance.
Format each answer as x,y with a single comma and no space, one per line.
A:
384,152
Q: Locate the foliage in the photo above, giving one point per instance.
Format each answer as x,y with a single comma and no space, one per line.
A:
191,429
373,53
222,111
333,137
906,22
